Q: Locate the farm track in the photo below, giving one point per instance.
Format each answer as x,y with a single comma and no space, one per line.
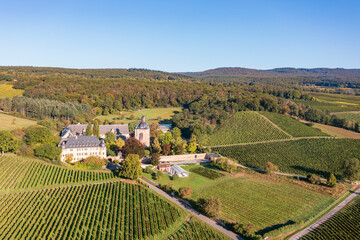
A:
327,216
271,141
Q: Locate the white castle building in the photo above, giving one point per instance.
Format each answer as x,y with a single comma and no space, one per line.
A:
74,142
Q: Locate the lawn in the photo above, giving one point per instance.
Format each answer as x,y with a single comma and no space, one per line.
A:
152,115
254,198
7,91
8,122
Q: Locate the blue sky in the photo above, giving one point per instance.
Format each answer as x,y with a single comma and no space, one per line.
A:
180,35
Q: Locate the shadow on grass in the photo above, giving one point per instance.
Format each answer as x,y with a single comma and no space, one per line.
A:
274,227
311,170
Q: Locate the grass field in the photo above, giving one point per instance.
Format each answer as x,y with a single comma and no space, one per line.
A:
7,91
292,126
245,127
152,115
254,199
306,156
343,225
8,122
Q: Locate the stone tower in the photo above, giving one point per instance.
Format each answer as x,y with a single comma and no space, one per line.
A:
142,132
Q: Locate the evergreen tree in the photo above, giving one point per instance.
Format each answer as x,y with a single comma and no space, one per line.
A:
96,129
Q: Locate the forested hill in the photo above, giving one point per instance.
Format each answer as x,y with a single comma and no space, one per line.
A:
328,77
278,72
15,72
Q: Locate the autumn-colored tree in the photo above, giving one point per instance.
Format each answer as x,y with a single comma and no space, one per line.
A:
155,147
211,206
155,159
331,182
166,150
185,192
271,168
133,146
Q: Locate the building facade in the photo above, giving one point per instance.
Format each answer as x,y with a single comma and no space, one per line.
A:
142,132
81,147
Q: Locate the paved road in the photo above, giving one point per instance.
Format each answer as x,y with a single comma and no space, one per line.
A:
194,212
327,216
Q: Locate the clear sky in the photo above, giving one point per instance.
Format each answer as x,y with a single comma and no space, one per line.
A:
182,35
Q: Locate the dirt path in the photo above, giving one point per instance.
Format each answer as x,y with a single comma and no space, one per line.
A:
327,216
188,208
337,132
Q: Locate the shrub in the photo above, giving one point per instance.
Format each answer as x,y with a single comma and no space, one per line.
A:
314,179
246,231
148,169
331,182
185,192
270,168
174,177
210,206
159,174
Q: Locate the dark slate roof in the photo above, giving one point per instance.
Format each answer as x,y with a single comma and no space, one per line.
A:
143,125
82,141
117,129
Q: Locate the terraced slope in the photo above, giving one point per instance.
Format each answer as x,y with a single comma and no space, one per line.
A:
115,210
292,126
343,225
24,173
305,156
245,127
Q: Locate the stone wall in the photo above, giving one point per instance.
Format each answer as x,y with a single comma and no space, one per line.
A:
198,156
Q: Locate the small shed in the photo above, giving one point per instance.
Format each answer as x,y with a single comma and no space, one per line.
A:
164,167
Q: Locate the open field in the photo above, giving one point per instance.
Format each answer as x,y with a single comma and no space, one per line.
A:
8,122
7,91
292,126
305,156
195,229
343,225
333,102
337,132
253,198
114,210
24,173
152,115
245,127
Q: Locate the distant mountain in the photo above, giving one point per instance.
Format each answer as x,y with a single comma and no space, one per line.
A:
277,72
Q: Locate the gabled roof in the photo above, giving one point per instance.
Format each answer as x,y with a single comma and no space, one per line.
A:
82,141
77,129
122,129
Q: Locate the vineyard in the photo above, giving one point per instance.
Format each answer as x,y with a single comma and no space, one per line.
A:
343,225
292,126
245,127
306,156
263,202
350,116
194,229
115,210
23,173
